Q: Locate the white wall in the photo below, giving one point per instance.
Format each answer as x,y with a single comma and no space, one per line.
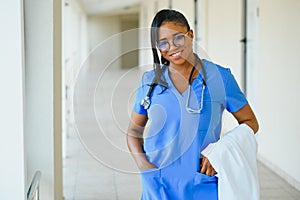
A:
43,95
279,97
252,52
12,168
147,12
75,53
75,33
222,31
187,8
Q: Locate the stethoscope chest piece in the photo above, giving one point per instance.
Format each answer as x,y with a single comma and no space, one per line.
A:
146,102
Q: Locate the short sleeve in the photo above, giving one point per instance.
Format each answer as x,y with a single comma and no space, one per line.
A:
235,98
140,94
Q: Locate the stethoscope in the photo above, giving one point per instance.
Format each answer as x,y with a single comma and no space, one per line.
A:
188,109
146,101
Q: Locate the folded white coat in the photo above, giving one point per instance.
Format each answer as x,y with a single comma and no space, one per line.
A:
234,159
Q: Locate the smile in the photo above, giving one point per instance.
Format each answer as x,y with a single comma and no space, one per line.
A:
176,54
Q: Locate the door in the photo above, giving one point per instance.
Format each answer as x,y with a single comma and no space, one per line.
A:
220,31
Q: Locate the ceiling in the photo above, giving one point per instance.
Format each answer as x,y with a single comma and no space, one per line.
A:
110,7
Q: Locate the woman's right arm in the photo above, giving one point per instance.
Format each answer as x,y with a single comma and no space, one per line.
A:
135,140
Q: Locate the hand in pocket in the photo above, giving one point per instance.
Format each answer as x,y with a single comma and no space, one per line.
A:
206,167
147,166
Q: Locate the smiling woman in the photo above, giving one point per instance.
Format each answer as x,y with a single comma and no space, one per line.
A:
185,115
179,47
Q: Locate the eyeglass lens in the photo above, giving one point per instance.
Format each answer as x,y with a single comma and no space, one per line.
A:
178,41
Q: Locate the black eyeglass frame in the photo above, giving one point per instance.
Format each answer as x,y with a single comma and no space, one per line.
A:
179,36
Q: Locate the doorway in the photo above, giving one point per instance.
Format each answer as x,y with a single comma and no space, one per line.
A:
221,32
129,43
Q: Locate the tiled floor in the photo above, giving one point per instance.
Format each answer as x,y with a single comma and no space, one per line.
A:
97,165
274,187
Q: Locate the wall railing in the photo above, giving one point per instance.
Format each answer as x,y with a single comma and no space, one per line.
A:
33,190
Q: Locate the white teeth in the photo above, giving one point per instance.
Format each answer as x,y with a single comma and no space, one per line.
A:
176,54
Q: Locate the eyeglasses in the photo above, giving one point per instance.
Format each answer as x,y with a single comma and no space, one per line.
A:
178,41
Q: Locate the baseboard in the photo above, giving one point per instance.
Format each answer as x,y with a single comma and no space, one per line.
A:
279,172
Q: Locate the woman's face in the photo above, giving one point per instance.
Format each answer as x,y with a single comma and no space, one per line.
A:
170,33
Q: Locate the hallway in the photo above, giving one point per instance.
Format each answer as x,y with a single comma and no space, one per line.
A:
92,172
78,144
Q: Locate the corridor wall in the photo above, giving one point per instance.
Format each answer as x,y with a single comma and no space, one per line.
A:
278,80
12,168
101,29
43,139
75,54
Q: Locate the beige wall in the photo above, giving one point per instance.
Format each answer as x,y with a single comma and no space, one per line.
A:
12,168
278,77
129,42
104,44
163,4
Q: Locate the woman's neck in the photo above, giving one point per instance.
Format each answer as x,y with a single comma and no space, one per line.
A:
185,67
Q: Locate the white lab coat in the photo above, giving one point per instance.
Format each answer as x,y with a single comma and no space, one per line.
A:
234,159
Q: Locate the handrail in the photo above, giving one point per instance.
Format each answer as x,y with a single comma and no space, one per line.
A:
33,190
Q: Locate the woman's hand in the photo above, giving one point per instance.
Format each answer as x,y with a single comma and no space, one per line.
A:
146,166
206,167
135,140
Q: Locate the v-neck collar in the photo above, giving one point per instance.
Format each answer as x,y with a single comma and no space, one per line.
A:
172,86
174,89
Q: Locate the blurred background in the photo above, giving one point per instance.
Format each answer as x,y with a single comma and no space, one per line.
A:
70,68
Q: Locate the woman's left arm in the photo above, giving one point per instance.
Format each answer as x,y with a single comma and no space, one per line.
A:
246,116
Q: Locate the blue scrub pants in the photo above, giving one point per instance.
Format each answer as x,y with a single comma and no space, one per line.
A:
168,184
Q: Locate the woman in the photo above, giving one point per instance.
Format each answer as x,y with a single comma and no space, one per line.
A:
183,98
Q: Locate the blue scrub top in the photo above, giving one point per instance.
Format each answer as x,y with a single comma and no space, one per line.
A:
175,137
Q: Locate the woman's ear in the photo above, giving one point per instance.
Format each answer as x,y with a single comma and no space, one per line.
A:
191,34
